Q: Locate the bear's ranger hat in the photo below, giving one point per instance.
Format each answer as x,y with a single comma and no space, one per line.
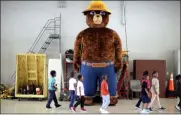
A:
97,6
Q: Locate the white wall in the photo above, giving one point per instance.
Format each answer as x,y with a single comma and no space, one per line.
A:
153,28
177,62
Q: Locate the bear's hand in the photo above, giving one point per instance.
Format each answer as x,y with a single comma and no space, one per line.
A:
117,70
122,68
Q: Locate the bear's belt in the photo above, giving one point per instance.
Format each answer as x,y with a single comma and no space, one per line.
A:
103,64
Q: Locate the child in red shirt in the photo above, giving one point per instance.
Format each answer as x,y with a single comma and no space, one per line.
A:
105,95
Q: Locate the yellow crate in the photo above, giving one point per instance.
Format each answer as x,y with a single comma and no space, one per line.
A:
31,68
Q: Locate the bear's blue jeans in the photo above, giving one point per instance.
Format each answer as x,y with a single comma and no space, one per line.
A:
92,74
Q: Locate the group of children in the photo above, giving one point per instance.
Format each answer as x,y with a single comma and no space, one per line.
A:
76,89
149,92
72,88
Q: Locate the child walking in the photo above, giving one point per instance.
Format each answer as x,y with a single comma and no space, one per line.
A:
178,90
105,95
51,89
81,94
155,91
72,85
145,93
148,83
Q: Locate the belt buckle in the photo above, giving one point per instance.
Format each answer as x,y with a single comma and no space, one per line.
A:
84,63
99,64
89,64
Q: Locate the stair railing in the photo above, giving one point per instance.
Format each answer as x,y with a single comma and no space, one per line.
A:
46,27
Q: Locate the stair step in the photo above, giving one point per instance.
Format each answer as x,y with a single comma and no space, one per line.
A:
54,36
31,52
43,48
47,42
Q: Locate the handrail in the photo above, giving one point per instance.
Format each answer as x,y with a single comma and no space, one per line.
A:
39,35
42,32
53,28
13,75
38,39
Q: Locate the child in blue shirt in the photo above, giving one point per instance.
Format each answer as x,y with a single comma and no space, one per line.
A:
51,89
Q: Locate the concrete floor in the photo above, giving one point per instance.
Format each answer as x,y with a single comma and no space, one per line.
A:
123,106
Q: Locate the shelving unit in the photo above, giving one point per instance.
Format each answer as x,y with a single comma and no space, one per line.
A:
66,64
31,69
123,79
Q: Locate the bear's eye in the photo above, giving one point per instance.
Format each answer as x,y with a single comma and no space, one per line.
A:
92,13
102,13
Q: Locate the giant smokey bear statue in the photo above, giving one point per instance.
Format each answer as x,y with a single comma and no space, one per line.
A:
97,51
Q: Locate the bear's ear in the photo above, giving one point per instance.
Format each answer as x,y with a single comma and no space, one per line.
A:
85,13
107,13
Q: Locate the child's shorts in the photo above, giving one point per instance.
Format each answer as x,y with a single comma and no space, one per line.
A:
145,99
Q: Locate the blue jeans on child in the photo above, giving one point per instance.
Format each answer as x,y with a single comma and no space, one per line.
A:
105,101
72,97
51,97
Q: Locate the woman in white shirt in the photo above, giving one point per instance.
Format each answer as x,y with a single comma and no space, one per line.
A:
81,94
155,89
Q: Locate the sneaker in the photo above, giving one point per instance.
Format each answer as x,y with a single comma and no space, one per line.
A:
162,108
137,107
48,107
83,110
144,111
73,109
104,111
58,105
101,109
177,107
150,109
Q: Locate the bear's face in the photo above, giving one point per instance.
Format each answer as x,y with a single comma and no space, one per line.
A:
97,19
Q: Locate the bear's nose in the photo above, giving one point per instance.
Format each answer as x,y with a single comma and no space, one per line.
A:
98,16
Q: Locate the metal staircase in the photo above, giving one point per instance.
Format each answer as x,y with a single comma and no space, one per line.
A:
54,35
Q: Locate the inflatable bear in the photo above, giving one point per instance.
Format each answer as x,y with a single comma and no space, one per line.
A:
97,51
